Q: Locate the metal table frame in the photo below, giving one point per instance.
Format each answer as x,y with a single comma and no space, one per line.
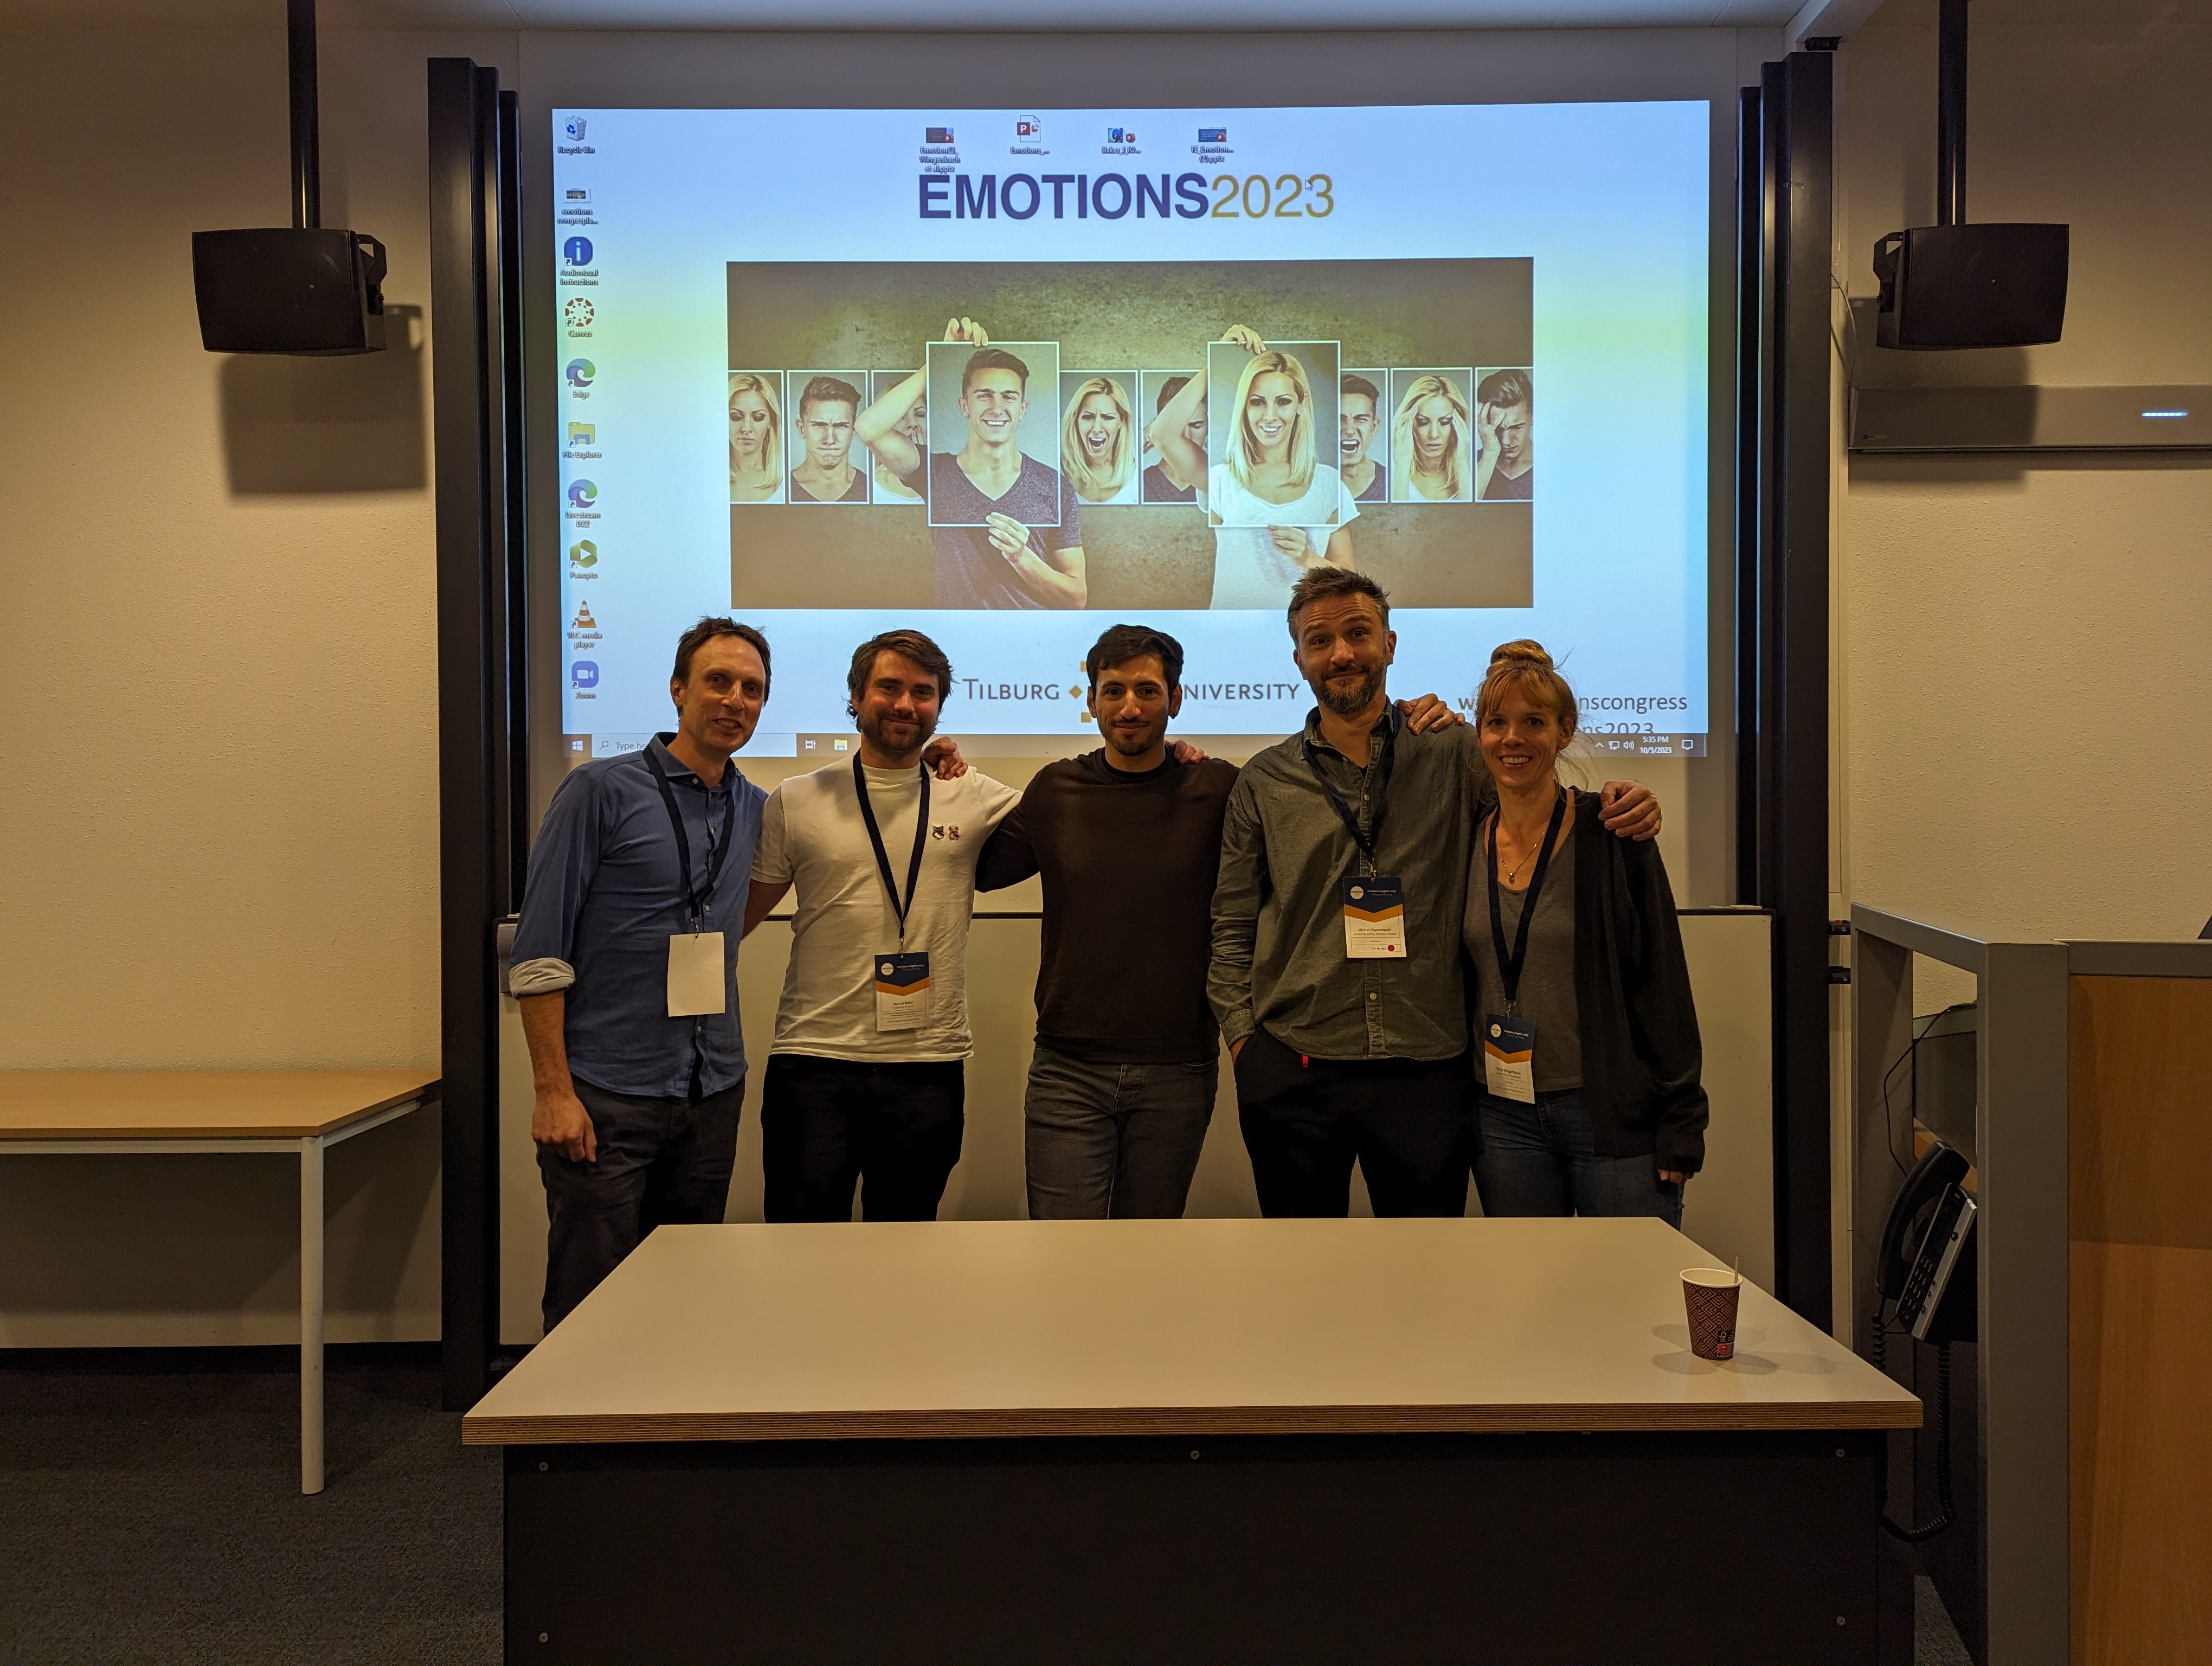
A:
310,1150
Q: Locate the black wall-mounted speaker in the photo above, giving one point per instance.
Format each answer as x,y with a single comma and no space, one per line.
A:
281,289
1981,285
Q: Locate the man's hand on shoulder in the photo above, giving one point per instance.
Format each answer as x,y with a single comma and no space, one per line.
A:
1628,810
1424,712
943,756
1183,752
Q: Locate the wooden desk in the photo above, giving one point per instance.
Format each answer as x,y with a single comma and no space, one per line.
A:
1204,1441
178,1112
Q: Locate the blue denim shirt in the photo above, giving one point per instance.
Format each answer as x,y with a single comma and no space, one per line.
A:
604,897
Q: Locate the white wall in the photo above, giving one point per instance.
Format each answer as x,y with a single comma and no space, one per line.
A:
2024,673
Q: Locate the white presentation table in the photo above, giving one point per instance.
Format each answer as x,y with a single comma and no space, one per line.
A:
1167,1441
179,1112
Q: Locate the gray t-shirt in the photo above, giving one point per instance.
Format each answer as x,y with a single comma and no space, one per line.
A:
971,571
1547,976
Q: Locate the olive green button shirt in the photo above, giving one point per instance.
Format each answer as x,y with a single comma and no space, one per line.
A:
1279,960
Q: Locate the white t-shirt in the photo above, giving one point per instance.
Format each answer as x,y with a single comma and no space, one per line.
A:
1248,570
813,837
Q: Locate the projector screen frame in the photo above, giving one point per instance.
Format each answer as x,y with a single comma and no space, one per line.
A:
769,71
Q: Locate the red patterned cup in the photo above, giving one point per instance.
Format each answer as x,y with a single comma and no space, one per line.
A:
1711,1294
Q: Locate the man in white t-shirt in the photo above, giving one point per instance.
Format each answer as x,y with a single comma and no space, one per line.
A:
866,1080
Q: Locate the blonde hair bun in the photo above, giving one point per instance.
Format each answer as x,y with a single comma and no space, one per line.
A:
1523,655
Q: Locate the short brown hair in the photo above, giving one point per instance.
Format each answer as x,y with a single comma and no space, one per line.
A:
1524,667
710,626
1506,389
913,646
829,390
1360,387
992,358
1321,582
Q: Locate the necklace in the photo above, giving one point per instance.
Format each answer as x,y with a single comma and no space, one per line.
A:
1513,871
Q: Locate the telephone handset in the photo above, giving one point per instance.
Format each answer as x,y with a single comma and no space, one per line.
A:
1928,1233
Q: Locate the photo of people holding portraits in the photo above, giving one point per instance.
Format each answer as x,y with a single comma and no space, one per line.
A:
1120,436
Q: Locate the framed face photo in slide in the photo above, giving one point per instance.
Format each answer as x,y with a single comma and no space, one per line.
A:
1362,419
1272,424
1432,437
825,403
1504,426
1100,438
994,421
757,436
1162,482
913,426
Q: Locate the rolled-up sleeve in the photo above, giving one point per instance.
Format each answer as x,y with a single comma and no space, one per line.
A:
1236,897
561,864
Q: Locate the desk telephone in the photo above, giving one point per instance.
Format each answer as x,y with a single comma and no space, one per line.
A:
1926,1251
1926,1269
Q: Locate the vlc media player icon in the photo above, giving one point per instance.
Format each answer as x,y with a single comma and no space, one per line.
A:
584,619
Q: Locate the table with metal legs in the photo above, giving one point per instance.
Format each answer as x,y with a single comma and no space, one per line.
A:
263,1113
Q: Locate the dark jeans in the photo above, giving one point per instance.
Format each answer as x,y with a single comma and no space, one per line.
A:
1117,1142
1405,1121
895,1129
660,1162
1542,1160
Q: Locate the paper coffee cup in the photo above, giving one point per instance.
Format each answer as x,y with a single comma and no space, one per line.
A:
1711,1294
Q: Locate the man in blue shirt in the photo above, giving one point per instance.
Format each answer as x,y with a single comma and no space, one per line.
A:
625,963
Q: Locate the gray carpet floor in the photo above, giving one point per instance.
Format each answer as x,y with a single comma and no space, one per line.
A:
150,1512
150,1515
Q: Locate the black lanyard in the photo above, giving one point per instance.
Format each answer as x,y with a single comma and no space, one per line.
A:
876,838
1509,967
1369,838
717,854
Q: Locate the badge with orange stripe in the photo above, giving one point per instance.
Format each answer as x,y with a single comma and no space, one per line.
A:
901,991
1509,1057
1374,918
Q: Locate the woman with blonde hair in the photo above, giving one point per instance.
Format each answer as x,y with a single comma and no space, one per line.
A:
1431,449
1277,511
1588,1053
1098,442
756,439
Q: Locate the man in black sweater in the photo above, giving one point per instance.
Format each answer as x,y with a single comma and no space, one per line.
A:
1128,839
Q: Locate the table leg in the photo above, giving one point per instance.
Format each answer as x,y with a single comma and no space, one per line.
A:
310,1315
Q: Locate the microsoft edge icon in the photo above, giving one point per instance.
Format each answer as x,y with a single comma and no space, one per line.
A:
583,494
581,372
577,251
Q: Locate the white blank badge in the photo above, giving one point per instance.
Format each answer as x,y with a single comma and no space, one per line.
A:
697,980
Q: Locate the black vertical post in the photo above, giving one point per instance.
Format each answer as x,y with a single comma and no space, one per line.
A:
306,151
1751,317
1782,576
517,842
468,390
1951,113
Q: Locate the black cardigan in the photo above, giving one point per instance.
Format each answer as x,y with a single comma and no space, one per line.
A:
1641,1053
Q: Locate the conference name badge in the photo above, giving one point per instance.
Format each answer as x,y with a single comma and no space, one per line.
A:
1374,918
698,978
1508,1058
902,990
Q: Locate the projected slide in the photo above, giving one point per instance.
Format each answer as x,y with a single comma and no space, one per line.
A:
1019,375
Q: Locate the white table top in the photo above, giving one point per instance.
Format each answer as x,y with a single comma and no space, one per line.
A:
960,1328
141,1106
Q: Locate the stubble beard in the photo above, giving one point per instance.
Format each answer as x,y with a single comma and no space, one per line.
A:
1348,704
871,725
